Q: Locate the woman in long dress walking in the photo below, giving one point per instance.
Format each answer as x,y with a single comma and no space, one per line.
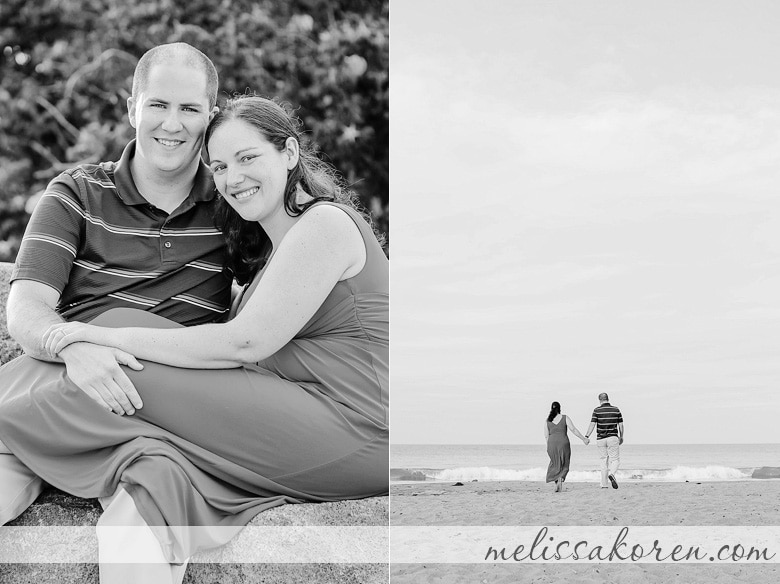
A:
556,434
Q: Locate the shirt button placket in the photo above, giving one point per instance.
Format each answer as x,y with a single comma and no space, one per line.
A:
166,251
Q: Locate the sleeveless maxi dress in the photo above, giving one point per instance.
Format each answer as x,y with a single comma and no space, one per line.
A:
559,450
216,447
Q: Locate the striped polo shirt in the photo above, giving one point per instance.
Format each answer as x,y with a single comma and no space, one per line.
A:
96,240
606,418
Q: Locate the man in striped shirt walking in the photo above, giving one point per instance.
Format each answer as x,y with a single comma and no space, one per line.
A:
608,422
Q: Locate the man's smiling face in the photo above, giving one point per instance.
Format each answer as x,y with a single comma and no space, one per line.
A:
170,117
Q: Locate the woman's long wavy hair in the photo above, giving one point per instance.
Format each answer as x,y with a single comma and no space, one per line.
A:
248,246
554,411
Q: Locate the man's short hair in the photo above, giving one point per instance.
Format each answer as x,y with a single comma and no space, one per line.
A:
181,53
603,397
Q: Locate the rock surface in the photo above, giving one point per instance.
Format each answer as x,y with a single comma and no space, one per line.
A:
766,472
55,508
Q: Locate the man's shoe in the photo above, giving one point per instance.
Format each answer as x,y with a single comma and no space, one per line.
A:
613,481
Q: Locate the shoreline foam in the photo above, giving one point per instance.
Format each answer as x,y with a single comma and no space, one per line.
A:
675,474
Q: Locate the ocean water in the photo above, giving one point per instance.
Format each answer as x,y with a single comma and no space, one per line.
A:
638,462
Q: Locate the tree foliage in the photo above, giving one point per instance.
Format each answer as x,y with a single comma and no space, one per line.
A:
66,71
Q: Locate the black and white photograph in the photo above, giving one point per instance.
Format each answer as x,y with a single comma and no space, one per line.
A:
586,285
205,378
195,337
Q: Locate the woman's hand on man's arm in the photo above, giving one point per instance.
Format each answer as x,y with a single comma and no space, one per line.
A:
94,369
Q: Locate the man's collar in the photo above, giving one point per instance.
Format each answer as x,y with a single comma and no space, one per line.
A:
202,190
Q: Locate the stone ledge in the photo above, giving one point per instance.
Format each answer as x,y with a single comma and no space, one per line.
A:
766,472
56,508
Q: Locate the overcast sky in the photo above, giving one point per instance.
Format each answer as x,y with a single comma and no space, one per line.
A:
585,197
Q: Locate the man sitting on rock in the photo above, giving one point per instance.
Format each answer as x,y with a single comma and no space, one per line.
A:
134,233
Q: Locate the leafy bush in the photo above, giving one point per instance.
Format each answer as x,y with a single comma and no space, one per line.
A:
66,71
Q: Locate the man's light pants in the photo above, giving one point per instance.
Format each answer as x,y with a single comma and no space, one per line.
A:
609,452
19,486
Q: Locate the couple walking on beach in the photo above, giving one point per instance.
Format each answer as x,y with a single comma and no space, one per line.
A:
608,422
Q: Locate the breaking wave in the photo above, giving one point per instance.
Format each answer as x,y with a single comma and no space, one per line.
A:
485,473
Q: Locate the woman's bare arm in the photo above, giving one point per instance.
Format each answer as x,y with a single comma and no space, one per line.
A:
313,256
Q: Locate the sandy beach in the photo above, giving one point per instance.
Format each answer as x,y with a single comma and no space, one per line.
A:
507,503
753,502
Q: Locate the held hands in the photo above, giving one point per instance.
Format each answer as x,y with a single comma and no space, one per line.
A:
58,336
586,440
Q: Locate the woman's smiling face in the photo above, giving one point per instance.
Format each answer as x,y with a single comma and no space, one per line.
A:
249,172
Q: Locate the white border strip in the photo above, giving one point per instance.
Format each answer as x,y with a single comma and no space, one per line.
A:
255,544
426,545
585,544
